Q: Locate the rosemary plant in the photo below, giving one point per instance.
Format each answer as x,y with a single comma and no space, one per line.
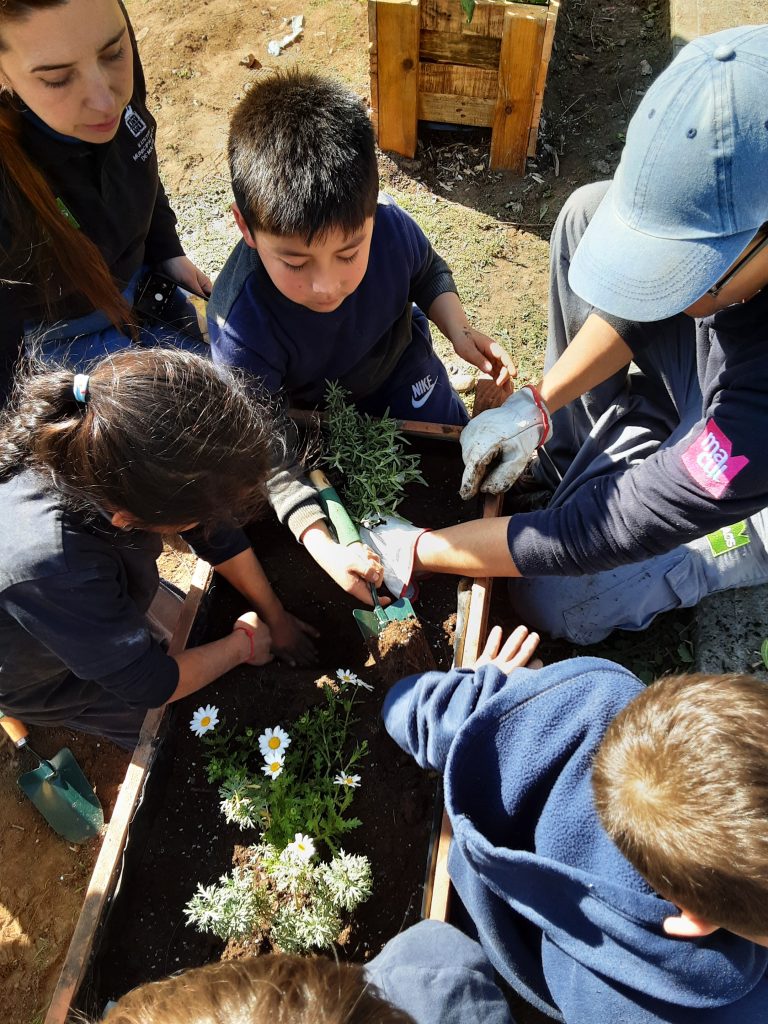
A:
370,455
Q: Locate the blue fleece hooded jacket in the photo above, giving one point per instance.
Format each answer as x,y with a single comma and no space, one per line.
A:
561,913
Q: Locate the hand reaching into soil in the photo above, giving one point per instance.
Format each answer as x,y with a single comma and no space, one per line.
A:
259,638
292,640
515,652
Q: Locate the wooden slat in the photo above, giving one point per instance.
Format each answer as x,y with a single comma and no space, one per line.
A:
447,15
455,48
453,79
486,397
373,65
440,904
521,49
449,109
546,53
397,58
105,870
435,431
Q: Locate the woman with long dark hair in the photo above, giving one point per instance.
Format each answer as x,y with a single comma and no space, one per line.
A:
83,214
94,469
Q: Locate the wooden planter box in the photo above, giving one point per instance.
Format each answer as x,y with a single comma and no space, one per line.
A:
428,64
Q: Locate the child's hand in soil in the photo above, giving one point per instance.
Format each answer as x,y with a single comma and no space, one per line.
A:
259,638
292,640
516,652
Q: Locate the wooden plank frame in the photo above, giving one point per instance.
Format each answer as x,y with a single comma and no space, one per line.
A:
521,48
105,872
438,907
397,73
428,64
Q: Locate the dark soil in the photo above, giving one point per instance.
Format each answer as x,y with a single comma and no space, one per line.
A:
179,837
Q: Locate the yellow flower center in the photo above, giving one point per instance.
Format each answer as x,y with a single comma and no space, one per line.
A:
274,742
205,722
274,766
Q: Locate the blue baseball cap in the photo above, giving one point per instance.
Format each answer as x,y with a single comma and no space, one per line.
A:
691,189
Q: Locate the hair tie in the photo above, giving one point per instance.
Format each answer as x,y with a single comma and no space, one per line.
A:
80,387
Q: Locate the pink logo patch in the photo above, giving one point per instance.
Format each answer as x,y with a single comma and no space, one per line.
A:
710,461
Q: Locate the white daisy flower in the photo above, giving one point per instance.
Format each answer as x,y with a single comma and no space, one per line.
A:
204,719
273,742
273,767
349,678
352,781
302,847
346,675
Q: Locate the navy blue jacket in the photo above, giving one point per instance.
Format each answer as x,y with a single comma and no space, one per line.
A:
560,912
73,593
714,476
113,191
296,350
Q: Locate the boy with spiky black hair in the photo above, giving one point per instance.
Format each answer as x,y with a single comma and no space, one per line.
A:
332,281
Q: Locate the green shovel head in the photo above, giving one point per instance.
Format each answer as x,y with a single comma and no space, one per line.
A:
371,623
62,794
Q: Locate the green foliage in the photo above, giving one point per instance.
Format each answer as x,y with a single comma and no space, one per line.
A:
303,797
232,908
370,455
284,894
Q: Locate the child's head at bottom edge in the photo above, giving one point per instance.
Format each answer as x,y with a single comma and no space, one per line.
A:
302,156
680,782
273,989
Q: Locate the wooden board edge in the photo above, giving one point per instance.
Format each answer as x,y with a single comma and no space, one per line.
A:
105,870
487,396
415,428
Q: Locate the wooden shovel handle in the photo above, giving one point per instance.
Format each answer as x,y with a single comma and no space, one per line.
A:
15,730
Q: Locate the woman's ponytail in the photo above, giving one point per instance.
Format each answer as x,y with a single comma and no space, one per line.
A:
66,254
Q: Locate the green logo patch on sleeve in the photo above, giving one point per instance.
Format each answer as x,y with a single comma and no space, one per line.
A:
729,538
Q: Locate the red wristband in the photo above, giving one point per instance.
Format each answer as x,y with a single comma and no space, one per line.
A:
543,410
249,632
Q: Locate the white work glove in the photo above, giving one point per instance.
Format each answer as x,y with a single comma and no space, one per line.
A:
504,439
394,541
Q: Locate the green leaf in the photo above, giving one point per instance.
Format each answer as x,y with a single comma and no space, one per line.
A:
764,651
468,6
685,654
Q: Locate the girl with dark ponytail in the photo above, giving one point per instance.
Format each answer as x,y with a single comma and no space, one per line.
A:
82,211
93,470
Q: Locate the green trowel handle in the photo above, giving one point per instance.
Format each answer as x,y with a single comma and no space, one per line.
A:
15,730
346,531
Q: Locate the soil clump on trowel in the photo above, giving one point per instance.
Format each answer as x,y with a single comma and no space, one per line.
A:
401,649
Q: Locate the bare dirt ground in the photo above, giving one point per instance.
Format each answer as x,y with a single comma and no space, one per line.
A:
492,228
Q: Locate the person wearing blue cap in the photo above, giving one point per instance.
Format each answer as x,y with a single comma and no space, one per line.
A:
649,424
609,839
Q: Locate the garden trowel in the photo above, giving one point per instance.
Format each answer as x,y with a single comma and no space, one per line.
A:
370,623
58,788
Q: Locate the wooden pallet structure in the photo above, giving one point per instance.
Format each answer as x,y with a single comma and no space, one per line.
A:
427,63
